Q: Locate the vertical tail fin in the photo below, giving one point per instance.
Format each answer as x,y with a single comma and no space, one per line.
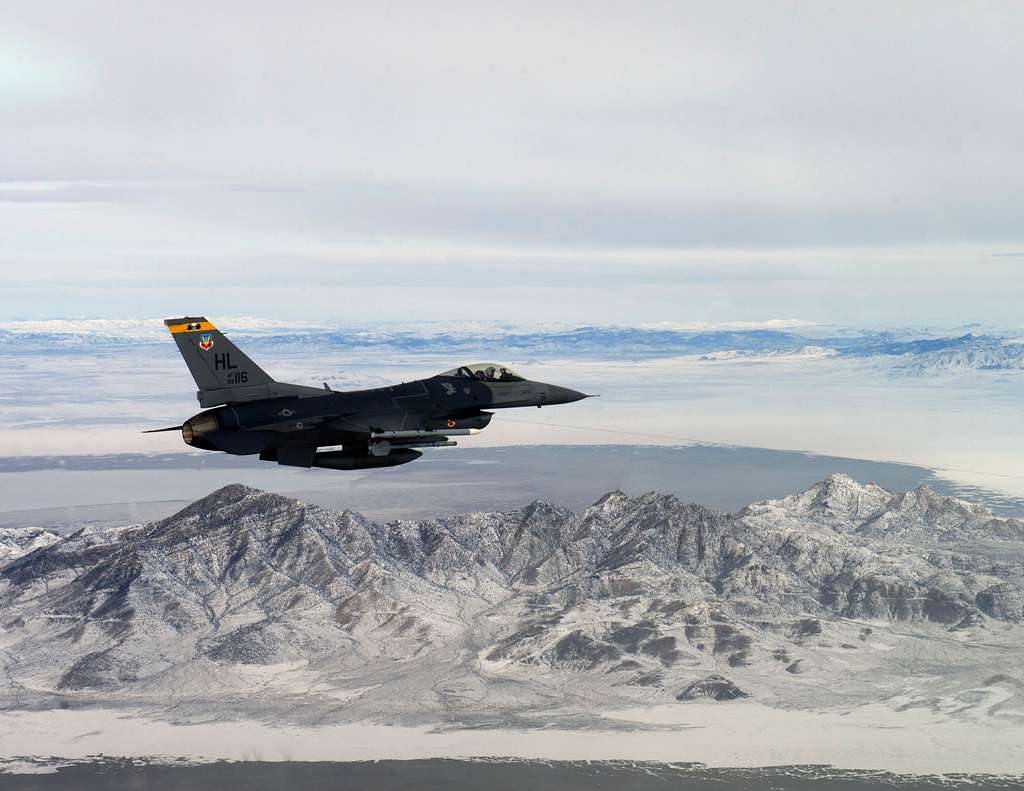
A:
214,361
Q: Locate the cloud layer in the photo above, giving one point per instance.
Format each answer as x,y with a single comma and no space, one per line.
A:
667,161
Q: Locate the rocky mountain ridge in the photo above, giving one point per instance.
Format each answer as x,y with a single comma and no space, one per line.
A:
18,541
640,597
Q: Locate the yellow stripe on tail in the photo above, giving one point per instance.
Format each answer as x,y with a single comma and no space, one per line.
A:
192,326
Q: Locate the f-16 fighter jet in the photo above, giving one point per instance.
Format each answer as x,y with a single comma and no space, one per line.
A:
288,423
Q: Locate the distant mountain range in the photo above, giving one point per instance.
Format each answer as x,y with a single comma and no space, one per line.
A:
920,352
247,599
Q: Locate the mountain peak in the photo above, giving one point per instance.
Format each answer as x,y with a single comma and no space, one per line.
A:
228,503
838,502
844,505
839,479
18,541
233,495
923,507
543,508
233,491
612,498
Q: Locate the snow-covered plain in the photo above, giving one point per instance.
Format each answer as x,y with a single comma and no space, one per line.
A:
740,734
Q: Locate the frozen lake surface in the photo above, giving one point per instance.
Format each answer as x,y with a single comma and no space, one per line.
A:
65,492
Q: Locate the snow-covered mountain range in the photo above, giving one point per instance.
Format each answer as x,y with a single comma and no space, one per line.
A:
18,541
843,591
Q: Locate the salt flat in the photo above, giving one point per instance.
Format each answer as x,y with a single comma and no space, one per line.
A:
738,734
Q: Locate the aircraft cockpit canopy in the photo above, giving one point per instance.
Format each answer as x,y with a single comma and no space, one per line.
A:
485,372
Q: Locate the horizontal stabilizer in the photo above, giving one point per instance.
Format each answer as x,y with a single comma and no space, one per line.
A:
158,430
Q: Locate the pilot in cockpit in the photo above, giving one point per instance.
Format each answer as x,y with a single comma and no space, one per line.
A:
485,372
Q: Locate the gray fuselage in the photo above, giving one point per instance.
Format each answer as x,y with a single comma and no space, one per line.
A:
253,413
356,420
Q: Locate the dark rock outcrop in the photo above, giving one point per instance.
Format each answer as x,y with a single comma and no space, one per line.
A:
714,687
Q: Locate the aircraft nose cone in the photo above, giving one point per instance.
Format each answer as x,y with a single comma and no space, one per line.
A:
563,395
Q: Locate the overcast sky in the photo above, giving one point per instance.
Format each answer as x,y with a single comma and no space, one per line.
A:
626,162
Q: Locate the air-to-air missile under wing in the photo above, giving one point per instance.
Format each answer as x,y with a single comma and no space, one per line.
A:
288,423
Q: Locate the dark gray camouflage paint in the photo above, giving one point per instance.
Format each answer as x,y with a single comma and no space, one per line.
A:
286,423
